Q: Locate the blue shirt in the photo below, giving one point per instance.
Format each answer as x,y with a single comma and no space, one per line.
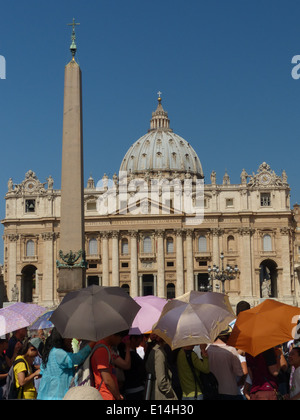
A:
58,373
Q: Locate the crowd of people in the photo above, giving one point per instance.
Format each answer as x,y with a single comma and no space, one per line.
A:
139,367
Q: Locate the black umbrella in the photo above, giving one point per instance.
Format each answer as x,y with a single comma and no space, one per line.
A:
94,313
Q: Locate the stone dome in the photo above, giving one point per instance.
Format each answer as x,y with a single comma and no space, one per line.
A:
161,150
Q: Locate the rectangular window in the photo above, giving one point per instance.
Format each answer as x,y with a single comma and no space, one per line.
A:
29,206
91,206
229,202
125,264
265,199
92,265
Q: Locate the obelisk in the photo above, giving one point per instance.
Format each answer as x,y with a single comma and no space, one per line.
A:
72,257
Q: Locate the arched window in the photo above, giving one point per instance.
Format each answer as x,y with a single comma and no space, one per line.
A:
124,246
202,244
93,246
30,248
267,243
170,245
147,245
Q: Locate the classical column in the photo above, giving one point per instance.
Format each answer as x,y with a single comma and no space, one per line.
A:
216,232
134,288
105,259
12,267
246,281
160,264
189,261
141,285
115,259
179,263
285,287
155,285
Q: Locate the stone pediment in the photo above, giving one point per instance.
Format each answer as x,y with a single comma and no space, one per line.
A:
266,178
147,206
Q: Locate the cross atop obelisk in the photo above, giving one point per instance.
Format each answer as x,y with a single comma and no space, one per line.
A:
73,47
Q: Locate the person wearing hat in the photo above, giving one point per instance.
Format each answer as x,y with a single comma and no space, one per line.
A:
24,370
225,364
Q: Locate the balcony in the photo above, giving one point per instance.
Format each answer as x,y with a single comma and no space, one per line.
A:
147,256
200,256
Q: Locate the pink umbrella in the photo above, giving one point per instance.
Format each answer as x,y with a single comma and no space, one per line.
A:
18,315
151,308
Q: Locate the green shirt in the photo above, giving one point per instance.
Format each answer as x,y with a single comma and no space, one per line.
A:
185,373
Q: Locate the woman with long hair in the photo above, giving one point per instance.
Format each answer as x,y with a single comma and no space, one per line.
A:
24,371
58,366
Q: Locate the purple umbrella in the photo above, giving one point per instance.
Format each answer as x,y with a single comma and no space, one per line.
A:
151,308
18,315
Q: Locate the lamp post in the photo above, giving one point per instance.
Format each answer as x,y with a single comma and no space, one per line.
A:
222,274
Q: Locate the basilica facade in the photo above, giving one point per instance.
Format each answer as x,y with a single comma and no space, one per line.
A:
159,227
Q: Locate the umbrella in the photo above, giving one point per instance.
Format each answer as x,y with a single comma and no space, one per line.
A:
194,318
18,315
266,325
42,322
151,307
94,312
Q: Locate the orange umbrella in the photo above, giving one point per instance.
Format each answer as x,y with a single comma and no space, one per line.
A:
265,326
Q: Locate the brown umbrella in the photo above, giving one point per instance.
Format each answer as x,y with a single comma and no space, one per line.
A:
194,318
94,313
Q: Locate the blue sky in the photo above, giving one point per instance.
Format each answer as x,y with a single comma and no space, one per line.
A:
224,68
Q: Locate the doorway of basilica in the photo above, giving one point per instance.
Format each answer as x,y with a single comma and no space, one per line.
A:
28,280
148,285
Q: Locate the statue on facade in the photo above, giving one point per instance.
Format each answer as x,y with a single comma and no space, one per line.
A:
284,177
226,179
50,182
213,177
266,287
15,293
10,185
244,177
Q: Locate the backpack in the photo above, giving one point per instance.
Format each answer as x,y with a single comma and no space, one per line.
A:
207,382
10,390
84,375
